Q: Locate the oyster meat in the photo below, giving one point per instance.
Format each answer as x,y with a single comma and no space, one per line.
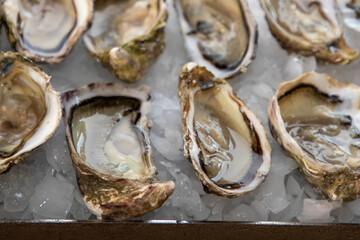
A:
108,137
355,4
309,27
46,30
127,36
220,35
316,119
30,109
224,140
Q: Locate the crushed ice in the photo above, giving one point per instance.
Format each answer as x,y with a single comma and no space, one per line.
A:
44,185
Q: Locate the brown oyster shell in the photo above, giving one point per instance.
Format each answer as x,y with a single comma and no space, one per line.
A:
333,179
111,196
328,46
12,64
217,31
197,81
126,60
20,17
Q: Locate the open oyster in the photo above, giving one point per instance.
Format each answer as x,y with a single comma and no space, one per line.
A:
46,30
29,109
316,119
220,35
127,36
224,139
107,134
355,4
309,27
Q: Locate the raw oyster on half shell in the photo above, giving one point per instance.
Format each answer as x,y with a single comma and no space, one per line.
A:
316,120
224,140
108,137
46,30
309,27
127,36
30,109
220,35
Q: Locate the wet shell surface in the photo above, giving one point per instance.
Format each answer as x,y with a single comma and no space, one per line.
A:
108,137
30,109
316,120
220,35
224,140
127,36
309,27
355,4
46,30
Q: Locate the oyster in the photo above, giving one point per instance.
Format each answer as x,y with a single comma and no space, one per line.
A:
108,137
127,36
316,120
224,140
355,4
309,27
46,30
220,35
29,109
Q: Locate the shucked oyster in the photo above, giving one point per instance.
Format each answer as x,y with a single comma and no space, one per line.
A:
107,134
220,35
316,119
29,109
355,4
127,36
309,27
224,139
46,30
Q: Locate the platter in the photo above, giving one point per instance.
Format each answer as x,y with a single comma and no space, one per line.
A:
23,194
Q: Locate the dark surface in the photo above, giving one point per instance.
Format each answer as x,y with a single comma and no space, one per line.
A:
183,230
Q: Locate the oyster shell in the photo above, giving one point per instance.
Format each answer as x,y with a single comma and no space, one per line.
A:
224,140
29,109
108,137
46,30
127,36
355,4
309,27
220,35
316,120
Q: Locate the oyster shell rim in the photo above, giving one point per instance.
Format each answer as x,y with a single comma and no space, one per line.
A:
302,47
191,146
69,102
17,43
53,100
250,54
324,176
110,60
139,196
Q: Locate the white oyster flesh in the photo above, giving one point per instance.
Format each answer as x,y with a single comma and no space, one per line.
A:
46,30
220,35
315,21
29,109
107,140
41,20
119,22
223,138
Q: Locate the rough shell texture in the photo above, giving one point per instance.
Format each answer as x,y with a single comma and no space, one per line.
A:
13,64
249,143
107,195
355,4
23,20
205,39
333,179
129,61
322,37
